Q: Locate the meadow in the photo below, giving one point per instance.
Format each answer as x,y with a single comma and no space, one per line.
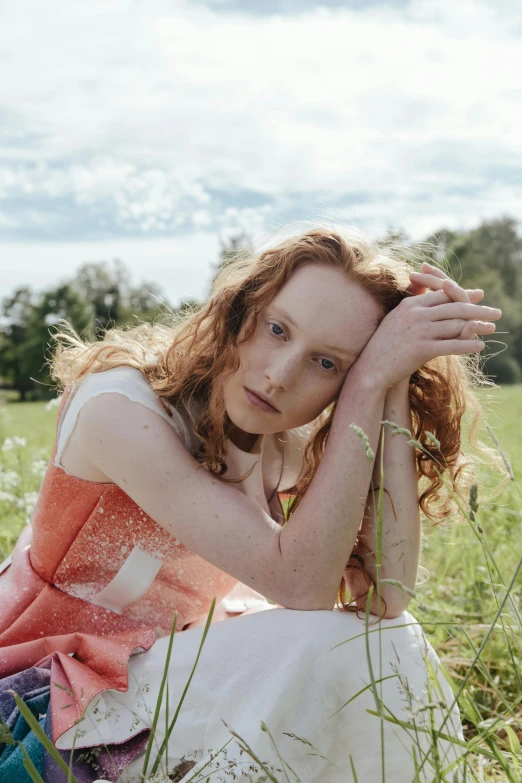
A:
469,594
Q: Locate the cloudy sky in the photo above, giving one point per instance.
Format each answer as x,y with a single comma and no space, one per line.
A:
147,129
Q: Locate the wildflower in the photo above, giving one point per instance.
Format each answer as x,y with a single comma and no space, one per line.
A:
39,467
9,479
53,403
7,497
14,443
29,501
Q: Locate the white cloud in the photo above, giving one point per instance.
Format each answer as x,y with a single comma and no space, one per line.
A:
166,116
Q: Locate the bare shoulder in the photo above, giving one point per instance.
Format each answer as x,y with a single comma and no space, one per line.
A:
75,457
111,425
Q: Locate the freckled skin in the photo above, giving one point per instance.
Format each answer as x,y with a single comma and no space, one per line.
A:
284,362
79,547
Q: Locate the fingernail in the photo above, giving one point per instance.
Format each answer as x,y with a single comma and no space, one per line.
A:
478,291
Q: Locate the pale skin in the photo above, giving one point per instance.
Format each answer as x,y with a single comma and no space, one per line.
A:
283,371
291,360
401,533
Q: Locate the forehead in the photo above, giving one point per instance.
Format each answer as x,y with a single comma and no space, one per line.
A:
328,307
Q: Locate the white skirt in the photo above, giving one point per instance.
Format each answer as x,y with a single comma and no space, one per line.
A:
304,676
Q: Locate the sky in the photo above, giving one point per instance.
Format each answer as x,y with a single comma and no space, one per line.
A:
150,130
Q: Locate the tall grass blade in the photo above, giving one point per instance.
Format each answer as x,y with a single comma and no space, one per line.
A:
164,744
42,736
29,766
160,698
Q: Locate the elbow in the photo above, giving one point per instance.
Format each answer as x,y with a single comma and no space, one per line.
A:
397,607
394,609
393,613
310,603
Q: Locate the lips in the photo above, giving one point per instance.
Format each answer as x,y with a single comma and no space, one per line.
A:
263,399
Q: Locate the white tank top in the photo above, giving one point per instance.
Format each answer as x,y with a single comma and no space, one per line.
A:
122,380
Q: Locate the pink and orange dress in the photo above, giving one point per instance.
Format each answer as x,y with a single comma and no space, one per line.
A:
87,603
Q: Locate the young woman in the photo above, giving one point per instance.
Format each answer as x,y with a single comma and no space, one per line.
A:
175,446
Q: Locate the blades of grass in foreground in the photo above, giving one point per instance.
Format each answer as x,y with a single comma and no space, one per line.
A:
352,698
482,646
378,566
354,773
42,736
160,699
164,744
5,734
471,746
29,766
247,749
200,770
284,764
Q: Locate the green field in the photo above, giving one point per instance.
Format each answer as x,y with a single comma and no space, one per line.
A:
469,571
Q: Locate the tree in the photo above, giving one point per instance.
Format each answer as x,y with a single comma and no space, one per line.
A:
105,287
98,297
113,300
239,246
15,363
490,257
25,336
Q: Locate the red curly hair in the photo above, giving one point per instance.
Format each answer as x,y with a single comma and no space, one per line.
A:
192,355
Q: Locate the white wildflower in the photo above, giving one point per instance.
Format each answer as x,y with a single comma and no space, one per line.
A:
39,467
9,479
14,443
7,497
54,403
29,501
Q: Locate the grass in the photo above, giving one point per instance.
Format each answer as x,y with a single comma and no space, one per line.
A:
470,605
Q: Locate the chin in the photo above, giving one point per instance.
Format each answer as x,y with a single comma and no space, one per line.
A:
241,419
248,422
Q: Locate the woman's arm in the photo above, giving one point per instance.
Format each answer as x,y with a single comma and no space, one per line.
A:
401,530
137,450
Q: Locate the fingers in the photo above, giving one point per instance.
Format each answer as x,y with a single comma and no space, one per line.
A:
476,327
454,290
464,310
425,280
433,298
458,346
458,327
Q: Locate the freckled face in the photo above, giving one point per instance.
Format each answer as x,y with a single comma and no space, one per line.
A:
305,342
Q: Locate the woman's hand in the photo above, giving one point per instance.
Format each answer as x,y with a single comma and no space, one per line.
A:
437,280
439,322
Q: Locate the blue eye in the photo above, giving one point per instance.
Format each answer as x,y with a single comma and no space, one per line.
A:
332,367
271,325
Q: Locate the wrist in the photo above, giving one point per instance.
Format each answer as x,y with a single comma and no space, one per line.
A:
365,377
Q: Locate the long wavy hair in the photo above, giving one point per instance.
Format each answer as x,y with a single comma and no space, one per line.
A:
188,357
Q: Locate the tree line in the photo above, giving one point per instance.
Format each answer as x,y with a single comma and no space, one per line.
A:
100,295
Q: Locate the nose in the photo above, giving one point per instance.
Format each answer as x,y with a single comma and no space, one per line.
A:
282,370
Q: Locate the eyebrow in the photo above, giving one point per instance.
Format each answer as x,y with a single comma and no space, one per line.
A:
333,348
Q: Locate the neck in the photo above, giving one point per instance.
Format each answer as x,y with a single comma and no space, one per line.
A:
243,440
